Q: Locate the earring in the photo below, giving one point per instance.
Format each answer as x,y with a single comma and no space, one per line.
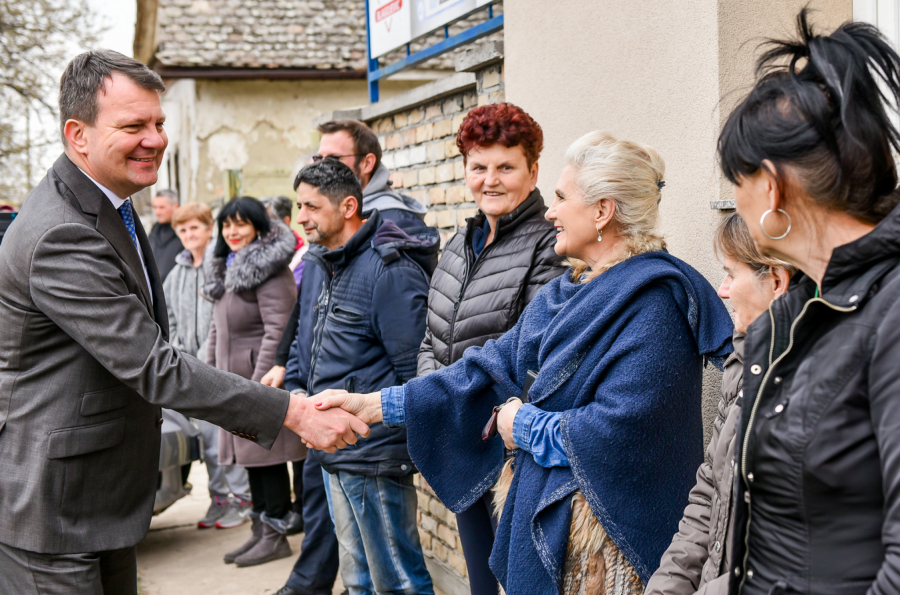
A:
600,235
762,224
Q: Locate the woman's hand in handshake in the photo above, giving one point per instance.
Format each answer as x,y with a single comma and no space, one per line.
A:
366,407
505,419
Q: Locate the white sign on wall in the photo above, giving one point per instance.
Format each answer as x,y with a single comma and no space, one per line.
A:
394,23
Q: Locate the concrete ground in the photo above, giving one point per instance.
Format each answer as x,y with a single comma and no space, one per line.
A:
177,558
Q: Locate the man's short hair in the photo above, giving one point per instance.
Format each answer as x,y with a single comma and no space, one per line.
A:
85,76
170,194
333,180
364,140
279,206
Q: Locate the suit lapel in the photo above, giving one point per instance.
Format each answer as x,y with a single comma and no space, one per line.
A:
109,222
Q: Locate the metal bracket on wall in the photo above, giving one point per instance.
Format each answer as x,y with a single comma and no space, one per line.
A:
376,72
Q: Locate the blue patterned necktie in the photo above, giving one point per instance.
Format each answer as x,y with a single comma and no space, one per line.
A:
128,217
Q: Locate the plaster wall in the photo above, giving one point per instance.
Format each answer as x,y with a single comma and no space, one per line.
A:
260,127
660,73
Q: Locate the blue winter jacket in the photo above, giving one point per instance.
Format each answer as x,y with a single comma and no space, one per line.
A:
362,319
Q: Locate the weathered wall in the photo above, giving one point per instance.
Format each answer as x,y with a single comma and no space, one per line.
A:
661,73
264,128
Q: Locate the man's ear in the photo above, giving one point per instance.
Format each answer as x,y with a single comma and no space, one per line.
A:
350,207
75,132
367,165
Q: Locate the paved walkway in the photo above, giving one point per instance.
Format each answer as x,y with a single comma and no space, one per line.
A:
176,558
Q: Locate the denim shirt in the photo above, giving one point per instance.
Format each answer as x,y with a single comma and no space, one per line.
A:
534,431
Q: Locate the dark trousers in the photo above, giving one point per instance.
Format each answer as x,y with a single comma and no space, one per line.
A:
477,526
316,569
298,486
112,572
270,488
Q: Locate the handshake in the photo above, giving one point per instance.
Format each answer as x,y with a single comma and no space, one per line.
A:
332,419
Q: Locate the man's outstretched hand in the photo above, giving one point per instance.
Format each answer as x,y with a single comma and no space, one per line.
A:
366,407
323,430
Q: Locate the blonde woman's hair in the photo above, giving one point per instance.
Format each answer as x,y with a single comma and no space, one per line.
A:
632,176
192,210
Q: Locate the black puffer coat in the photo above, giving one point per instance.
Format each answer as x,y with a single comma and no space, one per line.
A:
471,299
818,499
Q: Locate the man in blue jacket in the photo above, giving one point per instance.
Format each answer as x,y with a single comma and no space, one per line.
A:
362,319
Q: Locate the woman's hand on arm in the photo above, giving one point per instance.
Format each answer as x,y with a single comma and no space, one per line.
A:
505,419
366,407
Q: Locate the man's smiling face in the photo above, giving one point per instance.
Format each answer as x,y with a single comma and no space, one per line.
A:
125,145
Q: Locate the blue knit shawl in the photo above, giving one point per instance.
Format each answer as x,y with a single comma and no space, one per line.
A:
622,356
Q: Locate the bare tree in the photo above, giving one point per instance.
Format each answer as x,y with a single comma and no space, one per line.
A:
36,39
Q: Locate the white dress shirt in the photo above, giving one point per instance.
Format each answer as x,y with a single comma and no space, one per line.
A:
116,203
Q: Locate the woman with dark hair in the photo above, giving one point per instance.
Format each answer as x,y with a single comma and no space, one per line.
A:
490,270
697,562
809,152
596,390
254,291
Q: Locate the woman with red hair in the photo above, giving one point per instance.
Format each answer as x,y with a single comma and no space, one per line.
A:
489,271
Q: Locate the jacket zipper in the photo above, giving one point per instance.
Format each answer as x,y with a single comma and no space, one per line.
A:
753,410
319,331
462,291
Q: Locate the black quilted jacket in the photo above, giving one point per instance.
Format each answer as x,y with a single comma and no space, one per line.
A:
472,300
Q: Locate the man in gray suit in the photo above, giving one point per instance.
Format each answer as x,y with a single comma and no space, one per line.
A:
84,361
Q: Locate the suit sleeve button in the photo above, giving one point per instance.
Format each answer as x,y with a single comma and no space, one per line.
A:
233,432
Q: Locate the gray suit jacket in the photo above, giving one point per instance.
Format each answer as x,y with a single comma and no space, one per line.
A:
84,369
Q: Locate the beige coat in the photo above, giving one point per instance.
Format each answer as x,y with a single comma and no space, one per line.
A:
700,553
248,320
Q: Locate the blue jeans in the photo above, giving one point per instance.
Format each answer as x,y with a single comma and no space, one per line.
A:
375,523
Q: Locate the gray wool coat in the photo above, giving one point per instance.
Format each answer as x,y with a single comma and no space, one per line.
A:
190,312
700,555
253,300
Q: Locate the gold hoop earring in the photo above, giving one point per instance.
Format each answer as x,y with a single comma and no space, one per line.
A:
762,225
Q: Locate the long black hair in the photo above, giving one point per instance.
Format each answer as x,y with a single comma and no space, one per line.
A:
242,208
825,119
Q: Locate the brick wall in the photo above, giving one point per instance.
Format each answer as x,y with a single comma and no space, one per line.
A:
420,150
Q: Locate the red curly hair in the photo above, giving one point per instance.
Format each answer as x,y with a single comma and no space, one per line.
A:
501,124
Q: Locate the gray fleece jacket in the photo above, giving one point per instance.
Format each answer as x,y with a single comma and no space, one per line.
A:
378,194
189,312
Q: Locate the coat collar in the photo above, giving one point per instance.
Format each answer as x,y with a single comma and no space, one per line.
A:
857,267
109,223
506,224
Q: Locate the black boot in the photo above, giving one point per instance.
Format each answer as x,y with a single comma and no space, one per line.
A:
256,530
294,524
271,546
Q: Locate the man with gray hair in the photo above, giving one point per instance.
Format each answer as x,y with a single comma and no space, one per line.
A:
86,364
164,241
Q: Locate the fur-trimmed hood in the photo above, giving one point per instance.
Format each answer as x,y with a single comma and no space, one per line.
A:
253,265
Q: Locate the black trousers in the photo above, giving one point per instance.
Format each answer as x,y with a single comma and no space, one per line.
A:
298,486
112,572
316,569
477,527
270,488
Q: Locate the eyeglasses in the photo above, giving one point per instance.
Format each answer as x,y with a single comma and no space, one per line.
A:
318,158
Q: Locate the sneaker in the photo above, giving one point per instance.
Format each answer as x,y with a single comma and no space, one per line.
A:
237,514
217,509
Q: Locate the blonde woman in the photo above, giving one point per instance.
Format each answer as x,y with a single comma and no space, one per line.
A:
609,440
